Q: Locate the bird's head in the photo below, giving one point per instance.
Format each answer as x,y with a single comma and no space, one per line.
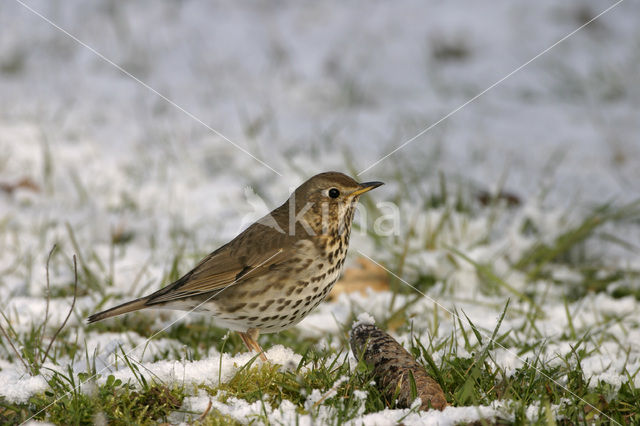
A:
326,202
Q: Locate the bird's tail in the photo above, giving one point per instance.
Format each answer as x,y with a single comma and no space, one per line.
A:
134,305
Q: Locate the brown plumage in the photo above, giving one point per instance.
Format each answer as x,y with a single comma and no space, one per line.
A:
276,271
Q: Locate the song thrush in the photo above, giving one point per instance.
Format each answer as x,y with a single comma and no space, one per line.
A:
275,272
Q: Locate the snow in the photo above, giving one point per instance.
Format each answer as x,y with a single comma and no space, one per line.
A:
363,318
18,385
285,414
299,86
208,371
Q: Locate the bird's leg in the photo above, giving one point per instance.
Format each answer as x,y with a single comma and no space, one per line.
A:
250,339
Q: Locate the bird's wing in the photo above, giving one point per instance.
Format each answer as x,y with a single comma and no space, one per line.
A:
229,265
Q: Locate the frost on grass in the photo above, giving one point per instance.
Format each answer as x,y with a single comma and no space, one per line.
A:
363,318
16,385
140,192
208,371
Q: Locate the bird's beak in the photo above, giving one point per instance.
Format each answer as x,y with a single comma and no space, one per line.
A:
365,187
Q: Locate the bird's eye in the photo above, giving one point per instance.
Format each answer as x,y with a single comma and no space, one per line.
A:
334,193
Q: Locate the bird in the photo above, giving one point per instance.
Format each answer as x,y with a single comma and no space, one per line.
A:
276,271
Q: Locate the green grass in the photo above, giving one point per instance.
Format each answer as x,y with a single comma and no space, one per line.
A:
116,402
461,360
272,385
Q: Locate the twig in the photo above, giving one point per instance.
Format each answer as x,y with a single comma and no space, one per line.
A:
203,415
328,393
4,332
46,312
73,304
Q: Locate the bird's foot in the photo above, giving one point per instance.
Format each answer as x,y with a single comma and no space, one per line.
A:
250,339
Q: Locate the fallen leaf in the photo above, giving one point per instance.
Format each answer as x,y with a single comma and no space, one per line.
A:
485,198
24,183
365,275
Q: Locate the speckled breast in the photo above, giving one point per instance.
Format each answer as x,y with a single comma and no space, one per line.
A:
290,292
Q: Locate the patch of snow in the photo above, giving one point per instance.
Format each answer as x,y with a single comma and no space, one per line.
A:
363,318
17,385
206,371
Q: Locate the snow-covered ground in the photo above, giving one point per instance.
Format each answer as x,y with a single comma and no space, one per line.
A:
298,88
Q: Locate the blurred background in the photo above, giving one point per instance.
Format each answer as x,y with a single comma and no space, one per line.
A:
304,88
